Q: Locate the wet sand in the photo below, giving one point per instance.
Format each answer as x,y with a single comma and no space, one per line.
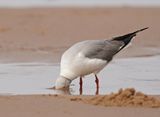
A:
42,35
50,105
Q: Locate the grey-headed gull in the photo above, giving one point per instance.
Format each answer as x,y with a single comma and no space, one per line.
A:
89,56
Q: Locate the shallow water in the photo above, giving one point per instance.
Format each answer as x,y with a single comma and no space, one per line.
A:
36,78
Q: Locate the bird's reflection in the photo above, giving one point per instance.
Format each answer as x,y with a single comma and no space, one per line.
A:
81,90
70,91
64,91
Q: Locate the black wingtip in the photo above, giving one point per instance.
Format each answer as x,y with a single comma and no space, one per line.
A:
140,30
129,36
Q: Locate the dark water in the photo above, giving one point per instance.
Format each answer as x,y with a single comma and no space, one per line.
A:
143,74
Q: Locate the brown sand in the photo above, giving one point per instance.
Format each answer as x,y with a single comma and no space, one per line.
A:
60,106
42,34
127,97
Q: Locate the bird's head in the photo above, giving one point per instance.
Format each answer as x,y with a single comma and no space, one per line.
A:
62,83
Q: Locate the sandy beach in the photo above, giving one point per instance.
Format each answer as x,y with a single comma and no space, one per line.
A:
53,105
43,34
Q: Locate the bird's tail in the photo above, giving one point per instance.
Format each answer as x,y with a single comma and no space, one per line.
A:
127,37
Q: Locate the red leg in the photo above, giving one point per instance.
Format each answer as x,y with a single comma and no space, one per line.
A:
97,81
97,84
81,84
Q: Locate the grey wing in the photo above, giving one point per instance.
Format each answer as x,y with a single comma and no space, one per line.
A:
104,49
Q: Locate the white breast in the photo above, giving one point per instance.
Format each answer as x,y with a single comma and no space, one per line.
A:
79,65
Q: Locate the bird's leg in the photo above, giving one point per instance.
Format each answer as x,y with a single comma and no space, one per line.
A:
97,81
97,84
81,84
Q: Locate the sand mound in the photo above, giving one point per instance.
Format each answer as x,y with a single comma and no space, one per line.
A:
126,97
